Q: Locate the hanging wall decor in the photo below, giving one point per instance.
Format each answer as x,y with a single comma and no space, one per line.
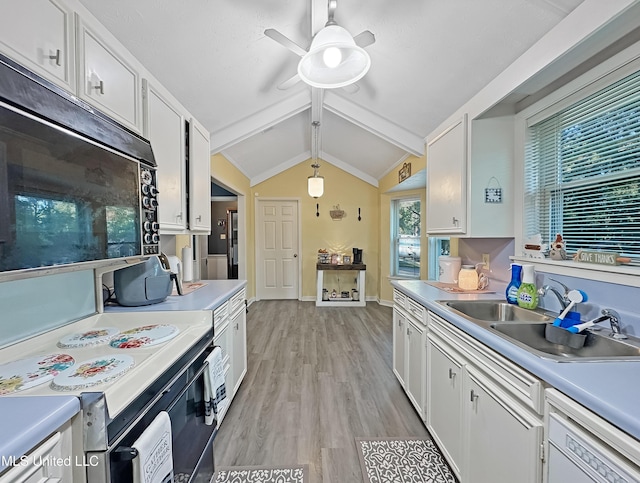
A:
404,172
337,213
493,194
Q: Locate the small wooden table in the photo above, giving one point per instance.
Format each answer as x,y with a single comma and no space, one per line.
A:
339,301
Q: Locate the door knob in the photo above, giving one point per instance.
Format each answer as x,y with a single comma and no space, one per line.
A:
295,255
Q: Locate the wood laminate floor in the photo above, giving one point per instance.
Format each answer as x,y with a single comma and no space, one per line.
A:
317,378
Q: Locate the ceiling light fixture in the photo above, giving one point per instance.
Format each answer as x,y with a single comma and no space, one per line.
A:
315,183
334,60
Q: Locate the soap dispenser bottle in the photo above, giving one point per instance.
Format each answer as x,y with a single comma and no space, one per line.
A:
514,285
527,292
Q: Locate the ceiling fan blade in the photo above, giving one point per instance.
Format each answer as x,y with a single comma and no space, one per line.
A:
283,86
363,39
285,41
351,88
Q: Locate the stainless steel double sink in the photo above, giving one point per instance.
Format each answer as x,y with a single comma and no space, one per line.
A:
526,329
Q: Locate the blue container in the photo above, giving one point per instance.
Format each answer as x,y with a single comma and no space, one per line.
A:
514,285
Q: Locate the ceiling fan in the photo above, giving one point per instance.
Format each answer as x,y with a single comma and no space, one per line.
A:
335,59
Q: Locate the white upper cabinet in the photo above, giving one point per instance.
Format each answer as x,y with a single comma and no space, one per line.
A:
39,35
446,180
470,179
106,79
164,126
199,178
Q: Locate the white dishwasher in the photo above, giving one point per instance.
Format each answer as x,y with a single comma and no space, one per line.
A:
583,448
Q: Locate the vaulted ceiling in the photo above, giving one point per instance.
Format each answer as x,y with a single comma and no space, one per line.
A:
429,58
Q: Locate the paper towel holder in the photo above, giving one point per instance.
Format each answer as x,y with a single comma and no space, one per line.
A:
187,264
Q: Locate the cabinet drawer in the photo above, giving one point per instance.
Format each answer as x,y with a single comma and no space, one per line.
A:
238,300
219,316
399,298
523,386
417,311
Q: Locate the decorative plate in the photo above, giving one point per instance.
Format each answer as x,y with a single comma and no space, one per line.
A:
33,371
96,336
92,372
144,336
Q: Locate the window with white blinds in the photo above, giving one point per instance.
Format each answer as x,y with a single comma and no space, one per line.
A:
582,172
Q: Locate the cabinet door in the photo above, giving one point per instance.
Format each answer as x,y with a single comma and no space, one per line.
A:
106,80
223,337
239,356
444,401
503,440
165,128
199,179
39,35
415,379
399,338
446,180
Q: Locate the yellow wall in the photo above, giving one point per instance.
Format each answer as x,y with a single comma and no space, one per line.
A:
385,289
227,174
341,188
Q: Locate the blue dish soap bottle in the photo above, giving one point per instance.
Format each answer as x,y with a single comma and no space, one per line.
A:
528,293
514,285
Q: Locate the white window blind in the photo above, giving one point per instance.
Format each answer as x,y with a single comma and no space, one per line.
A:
582,172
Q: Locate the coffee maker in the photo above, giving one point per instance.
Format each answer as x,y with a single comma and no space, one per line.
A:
357,255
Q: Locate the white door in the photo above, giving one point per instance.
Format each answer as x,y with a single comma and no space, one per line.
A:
277,249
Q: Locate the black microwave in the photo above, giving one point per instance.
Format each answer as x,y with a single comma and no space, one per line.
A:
75,186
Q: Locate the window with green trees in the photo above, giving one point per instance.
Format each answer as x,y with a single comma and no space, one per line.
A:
406,226
582,172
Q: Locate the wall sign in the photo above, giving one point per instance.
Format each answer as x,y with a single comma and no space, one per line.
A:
599,257
404,172
493,195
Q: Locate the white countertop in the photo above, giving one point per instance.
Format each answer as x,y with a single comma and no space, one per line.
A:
208,297
609,389
28,417
28,421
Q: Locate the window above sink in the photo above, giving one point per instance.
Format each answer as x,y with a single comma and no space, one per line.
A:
576,191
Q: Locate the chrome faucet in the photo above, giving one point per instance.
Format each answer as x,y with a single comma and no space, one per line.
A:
562,298
614,320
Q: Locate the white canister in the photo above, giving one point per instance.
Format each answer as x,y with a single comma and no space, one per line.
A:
448,268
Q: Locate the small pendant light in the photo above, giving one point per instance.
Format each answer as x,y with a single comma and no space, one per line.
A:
315,183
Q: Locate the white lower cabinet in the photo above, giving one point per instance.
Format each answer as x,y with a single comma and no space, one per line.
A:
230,334
409,354
51,461
239,351
483,412
503,440
399,341
444,400
416,364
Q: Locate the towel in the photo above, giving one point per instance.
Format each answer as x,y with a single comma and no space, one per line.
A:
215,391
154,462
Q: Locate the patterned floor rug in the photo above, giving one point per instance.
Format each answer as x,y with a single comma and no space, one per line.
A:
261,474
390,460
